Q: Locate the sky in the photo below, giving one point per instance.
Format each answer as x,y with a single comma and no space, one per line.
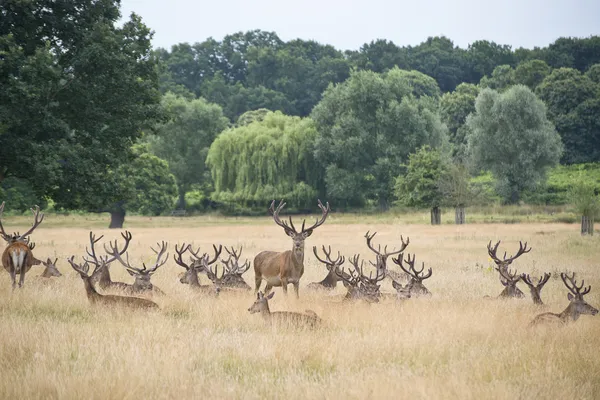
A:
349,24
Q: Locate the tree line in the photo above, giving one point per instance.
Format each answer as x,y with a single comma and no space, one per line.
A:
92,118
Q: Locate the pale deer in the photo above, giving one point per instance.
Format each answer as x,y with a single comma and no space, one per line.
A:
331,280
510,280
50,269
402,292
359,286
283,268
197,264
381,257
142,275
17,258
233,276
261,305
416,277
576,307
96,298
502,265
536,289
101,274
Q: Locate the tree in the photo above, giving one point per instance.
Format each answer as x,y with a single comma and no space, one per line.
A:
367,127
594,73
586,202
454,109
76,92
501,79
185,137
531,73
266,159
510,135
456,190
484,56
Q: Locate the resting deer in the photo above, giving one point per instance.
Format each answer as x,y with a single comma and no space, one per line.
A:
331,280
502,265
96,298
576,307
261,305
50,269
233,276
381,258
101,274
536,289
142,275
402,292
510,281
360,287
283,268
416,286
17,258
198,264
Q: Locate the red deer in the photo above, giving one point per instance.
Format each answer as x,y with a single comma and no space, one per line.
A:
198,264
283,268
510,280
360,287
96,298
536,289
17,258
101,274
416,277
402,292
331,280
233,276
381,258
261,305
576,307
50,269
506,262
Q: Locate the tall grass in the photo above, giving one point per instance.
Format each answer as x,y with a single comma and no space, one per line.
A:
455,345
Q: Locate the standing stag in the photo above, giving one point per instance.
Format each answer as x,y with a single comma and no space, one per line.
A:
17,258
381,258
283,268
576,307
416,287
536,289
261,305
332,278
198,264
502,265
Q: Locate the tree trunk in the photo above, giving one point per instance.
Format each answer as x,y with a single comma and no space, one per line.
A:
383,204
587,225
459,215
117,215
436,216
181,203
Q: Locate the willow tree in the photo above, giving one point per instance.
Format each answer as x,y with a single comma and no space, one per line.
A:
265,159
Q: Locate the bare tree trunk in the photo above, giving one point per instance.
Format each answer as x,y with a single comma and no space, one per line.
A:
587,225
459,215
117,215
436,216
181,203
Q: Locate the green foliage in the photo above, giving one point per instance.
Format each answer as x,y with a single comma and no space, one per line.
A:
367,127
264,160
454,109
19,195
531,73
583,196
420,185
501,79
594,73
510,135
561,179
455,187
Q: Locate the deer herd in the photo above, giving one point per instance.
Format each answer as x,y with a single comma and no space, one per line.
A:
277,269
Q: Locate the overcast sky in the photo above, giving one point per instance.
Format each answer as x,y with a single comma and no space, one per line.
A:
347,24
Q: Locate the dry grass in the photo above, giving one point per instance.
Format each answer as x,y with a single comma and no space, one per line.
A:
453,345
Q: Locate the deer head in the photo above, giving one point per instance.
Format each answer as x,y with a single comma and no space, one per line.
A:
290,230
197,264
17,237
358,284
51,269
536,289
142,275
505,262
233,270
578,305
416,277
510,280
261,304
403,292
381,257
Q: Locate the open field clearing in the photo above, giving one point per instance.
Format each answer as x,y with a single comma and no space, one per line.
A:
454,345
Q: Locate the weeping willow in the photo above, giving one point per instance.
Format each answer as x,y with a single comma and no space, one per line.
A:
265,160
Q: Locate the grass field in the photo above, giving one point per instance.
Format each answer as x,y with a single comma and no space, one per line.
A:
454,345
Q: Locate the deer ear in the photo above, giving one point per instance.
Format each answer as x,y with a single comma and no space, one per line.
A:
290,233
307,233
570,297
270,296
396,285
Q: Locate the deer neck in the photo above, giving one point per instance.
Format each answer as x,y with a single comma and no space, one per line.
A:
265,311
46,273
330,280
298,255
194,281
91,292
569,314
535,295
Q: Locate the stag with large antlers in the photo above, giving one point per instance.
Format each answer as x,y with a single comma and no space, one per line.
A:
142,275
381,257
283,268
233,271
261,305
360,287
101,274
505,262
17,258
198,263
331,280
536,289
416,277
576,307
510,280
97,299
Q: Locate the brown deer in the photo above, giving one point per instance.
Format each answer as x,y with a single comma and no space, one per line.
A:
576,307
261,305
233,276
142,275
536,289
96,298
402,292
197,264
17,258
416,277
101,274
283,268
381,258
505,262
510,280
360,287
50,269
331,280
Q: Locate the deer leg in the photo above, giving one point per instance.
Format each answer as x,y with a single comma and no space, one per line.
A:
22,277
13,277
268,288
296,287
257,281
284,285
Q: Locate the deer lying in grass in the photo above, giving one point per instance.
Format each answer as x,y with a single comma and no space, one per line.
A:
502,265
142,275
233,276
17,258
381,258
576,307
283,268
536,289
261,305
197,264
360,287
331,280
402,292
96,298
510,280
50,269
416,287
101,275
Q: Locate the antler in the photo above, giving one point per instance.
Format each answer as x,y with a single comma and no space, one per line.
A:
509,276
541,282
329,262
143,270
232,263
291,228
492,252
179,257
36,222
411,267
82,269
385,253
574,289
212,275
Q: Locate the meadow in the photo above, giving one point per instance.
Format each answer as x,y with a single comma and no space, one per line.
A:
455,345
